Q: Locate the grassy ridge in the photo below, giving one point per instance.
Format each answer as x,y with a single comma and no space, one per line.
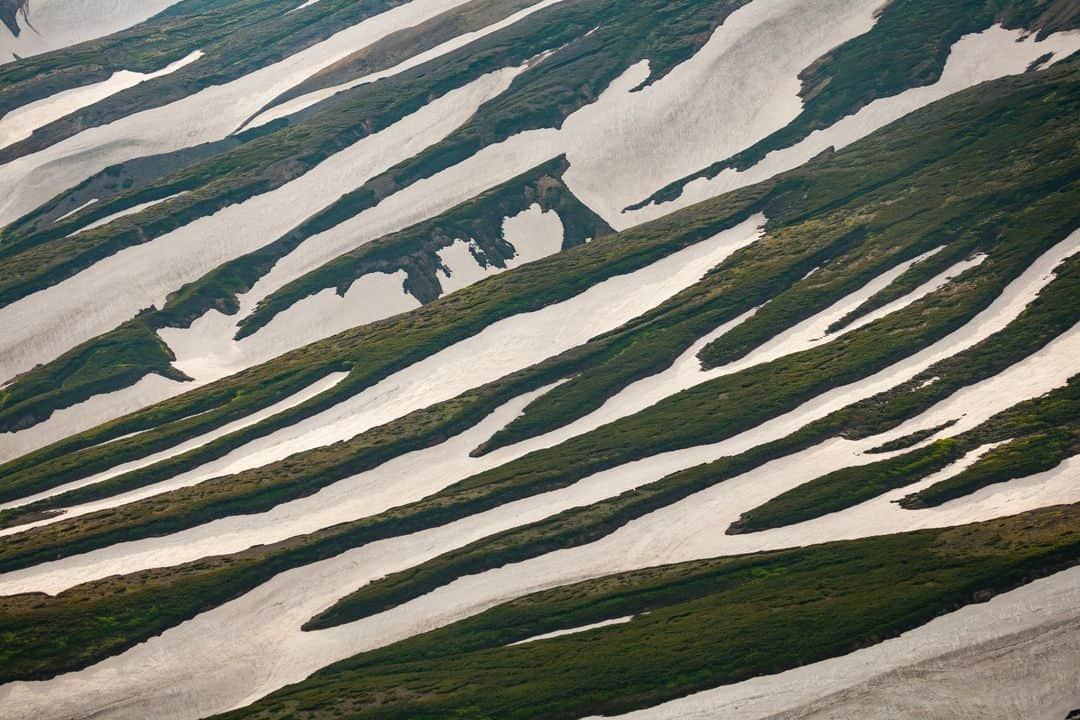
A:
696,625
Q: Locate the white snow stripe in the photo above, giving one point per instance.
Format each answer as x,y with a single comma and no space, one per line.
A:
978,657
575,630
69,213
125,212
534,233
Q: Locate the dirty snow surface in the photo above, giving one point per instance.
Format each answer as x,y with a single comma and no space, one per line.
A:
444,360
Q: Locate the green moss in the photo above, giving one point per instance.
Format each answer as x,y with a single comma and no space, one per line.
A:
848,487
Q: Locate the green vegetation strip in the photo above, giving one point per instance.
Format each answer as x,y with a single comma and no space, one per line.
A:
113,361
236,38
911,440
696,625
1018,458
848,487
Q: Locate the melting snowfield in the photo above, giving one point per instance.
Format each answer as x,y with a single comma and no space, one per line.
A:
618,131
504,347
1014,656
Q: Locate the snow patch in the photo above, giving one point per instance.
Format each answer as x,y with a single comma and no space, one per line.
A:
572,631
127,211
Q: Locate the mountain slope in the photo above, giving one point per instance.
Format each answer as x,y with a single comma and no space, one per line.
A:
486,358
